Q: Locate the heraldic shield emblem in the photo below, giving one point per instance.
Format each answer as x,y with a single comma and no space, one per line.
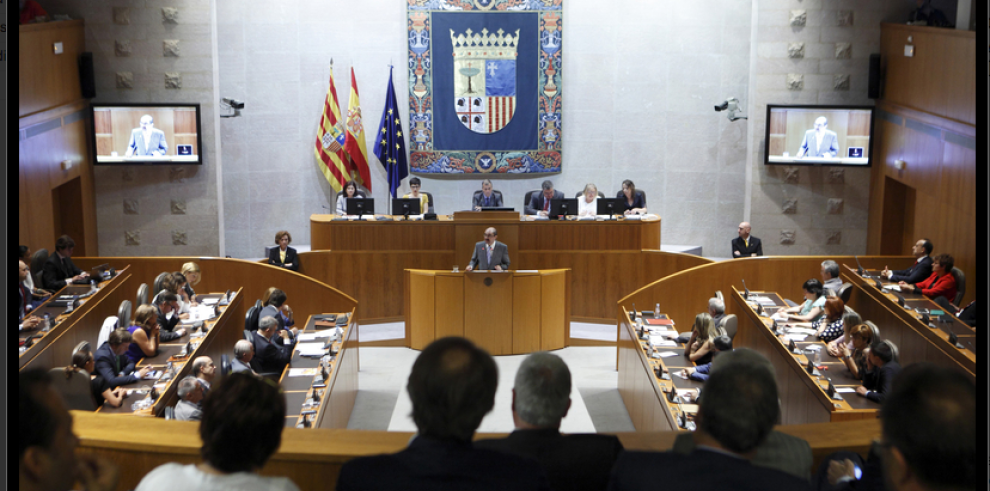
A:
484,79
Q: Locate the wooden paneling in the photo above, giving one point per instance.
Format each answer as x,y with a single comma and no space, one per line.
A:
553,305
525,313
488,311
449,306
185,121
46,79
420,308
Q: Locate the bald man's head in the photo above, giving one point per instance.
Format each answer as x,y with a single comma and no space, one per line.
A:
744,229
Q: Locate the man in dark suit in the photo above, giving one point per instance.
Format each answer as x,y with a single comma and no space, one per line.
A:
968,314
111,363
452,387
243,353
737,412
166,303
540,399
271,353
147,140
190,395
746,245
539,203
881,370
819,142
486,198
920,270
490,253
59,269
279,310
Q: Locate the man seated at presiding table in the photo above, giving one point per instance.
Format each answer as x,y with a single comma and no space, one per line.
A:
190,394
631,202
738,411
486,198
941,283
539,203
746,245
779,451
490,253
812,308
272,347
881,370
540,399
59,269
830,277
424,200
452,386
241,427
167,303
204,370
243,352
144,334
701,372
111,363
921,269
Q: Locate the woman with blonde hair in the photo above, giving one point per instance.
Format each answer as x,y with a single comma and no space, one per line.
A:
588,202
193,274
855,359
703,334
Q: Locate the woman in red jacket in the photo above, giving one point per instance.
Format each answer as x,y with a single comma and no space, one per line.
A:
940,284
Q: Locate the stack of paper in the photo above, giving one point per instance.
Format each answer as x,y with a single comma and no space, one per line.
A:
210,301
661,341
310,349
796,337
302,372
800,330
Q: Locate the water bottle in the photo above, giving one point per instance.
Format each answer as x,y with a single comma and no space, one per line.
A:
656,311
92,285
72,303
818,357
47,325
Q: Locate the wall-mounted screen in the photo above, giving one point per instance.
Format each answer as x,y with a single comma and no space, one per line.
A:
818,135
126,133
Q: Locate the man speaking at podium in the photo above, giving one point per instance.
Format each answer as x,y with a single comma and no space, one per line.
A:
819,142
147,140
490,253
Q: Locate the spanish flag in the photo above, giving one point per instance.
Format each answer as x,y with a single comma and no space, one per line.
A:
354,143
330,137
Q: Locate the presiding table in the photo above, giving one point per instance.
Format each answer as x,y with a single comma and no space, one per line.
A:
504,312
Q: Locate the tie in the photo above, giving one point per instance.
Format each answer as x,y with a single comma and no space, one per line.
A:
746,241
487,200
546,204
489,248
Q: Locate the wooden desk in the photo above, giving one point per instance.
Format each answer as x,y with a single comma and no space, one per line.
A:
803,396
916,340
506,313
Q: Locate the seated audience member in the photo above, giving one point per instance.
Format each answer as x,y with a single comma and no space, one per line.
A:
881,370
921,269
778,451
631,202
738,411
716,308
855,358
486,198
746,245
350,191
82,360
59,269
144,334
175,284
928,426
241,428
812,308
25,298
111,363
452,386
588,202
967,314
46,445
284,256
701,372
24,254
167,303
272,347
941,283
703,334
190,394
193,274
849,320
243,352
829,326
204,370
424,200
540,399
276,307
830,277
539,203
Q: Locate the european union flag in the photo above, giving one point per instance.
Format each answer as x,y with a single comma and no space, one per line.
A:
390,147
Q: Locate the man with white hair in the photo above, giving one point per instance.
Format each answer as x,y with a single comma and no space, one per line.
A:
830,277
204,370
541,397
746,245
272,352
716,308
243,353
819,142
190,395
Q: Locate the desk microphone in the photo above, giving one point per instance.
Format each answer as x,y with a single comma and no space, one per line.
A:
745,290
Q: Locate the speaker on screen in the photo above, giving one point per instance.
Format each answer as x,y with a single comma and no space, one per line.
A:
87,78
873,91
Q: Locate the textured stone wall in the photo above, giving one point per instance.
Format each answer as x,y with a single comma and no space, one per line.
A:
813,52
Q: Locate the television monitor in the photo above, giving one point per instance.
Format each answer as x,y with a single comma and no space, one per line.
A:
360,206
566,206
819,135
609,206
146,133
406,206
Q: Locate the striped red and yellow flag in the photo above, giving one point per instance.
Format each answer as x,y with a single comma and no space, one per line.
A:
354,144
330,137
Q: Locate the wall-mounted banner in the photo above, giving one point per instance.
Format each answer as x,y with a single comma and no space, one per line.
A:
484,86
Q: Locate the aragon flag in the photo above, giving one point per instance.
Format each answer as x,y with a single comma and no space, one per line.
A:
354,144
330,137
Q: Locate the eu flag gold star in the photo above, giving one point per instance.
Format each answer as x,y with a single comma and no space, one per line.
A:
399,134
383,130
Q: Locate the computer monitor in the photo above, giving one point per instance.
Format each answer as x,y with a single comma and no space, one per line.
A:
609,206
406,206
360,206
566,206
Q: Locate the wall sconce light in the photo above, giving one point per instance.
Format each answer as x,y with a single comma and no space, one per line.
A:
899,164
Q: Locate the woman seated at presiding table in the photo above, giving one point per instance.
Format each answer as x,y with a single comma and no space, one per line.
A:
193,274
82,360
350,191
703,334
940,284
284,256
144,334
588,202
424,201
633,203
855,358
813,306
849,320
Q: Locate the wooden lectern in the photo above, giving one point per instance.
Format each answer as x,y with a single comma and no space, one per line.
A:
506,313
